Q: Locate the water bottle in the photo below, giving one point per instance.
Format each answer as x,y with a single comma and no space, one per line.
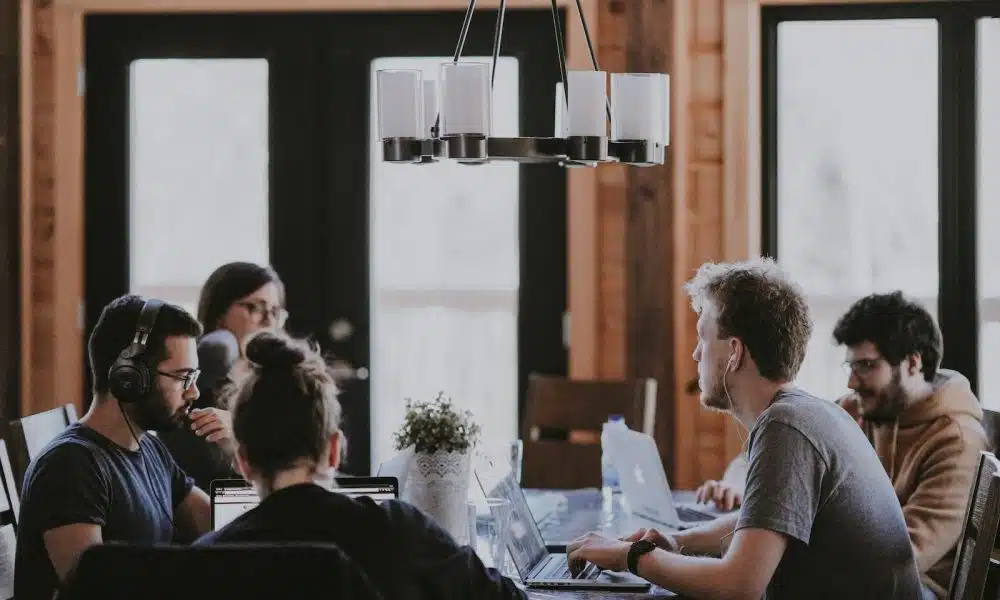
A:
610,481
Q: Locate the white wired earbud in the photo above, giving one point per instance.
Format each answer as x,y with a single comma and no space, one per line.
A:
729,367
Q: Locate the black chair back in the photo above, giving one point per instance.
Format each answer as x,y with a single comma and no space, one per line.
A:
245,571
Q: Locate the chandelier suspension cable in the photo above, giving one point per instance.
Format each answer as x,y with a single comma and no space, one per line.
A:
560,49
497,36
590,49
458,53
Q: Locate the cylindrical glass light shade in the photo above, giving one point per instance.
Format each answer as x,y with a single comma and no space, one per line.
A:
640,102
562,113
588,97
465,99
400,98
430,107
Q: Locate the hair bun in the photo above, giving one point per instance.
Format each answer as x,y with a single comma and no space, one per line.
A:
269,350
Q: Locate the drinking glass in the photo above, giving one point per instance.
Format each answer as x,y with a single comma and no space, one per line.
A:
489,525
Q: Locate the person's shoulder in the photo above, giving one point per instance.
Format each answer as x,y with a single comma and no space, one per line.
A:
794,405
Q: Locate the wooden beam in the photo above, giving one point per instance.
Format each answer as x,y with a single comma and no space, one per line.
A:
289,6
10,26
652,235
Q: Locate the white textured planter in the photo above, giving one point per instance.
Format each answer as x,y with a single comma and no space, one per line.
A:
439,485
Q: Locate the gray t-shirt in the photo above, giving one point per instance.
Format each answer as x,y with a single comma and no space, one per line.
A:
814,477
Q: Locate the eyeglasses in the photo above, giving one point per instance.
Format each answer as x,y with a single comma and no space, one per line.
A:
189,377
861,366
257,310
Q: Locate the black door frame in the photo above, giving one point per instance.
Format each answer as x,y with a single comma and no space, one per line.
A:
301,251
958,299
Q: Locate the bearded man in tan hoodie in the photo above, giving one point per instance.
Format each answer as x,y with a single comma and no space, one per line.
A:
924,422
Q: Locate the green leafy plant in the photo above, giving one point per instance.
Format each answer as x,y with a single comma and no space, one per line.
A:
436,426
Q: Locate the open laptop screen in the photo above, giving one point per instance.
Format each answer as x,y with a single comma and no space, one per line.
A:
524,540
233,497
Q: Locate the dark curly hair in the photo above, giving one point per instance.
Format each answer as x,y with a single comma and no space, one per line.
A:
897,326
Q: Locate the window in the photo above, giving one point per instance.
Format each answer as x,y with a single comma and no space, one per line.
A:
198,172
445,275
989,209
857,170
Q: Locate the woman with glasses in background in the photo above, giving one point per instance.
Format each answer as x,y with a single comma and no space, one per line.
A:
237,300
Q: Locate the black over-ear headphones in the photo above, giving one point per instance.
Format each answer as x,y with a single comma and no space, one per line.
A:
131,377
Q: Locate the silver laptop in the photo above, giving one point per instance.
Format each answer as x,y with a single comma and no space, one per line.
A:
644,483
535,565
231,498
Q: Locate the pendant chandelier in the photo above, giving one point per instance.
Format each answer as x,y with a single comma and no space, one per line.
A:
422,122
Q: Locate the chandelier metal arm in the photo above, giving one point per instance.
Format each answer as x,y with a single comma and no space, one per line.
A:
560,49
465,31
497,37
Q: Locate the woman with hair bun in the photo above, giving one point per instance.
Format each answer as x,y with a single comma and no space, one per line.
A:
287,428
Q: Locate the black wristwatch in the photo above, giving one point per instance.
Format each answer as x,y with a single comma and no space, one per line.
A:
638,549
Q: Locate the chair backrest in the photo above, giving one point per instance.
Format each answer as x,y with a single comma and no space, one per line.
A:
9,509
30,434
239,571
982,520
991,423
562,426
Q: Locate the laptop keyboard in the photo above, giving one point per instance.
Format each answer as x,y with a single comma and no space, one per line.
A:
689,514
558,568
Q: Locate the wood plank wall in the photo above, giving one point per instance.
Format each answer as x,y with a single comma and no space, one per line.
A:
658,224
40,379
9,201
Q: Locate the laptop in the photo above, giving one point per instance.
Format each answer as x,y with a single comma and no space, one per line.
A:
231,498
398,466
537,567
644,483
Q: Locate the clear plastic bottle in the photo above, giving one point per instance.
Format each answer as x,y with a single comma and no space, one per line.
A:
610,481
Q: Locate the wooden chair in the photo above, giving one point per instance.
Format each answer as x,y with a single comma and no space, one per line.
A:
561,430
982,520
30,434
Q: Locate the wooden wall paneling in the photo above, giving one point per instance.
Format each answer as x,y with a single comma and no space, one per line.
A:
26,155
583,221
612,191
38,241
653,234
10,25
51,225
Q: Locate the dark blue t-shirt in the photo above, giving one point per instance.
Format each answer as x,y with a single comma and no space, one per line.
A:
83,477
402,551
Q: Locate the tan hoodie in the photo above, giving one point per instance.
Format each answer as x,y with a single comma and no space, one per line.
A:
930,453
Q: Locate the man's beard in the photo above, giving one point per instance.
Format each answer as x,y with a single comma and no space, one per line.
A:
716,397
889,402
151,414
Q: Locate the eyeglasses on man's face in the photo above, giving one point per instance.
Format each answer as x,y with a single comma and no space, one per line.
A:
189,377
862,367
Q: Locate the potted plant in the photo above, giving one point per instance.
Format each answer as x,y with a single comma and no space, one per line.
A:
442,438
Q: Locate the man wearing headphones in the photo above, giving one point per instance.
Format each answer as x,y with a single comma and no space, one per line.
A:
820,518
103,478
